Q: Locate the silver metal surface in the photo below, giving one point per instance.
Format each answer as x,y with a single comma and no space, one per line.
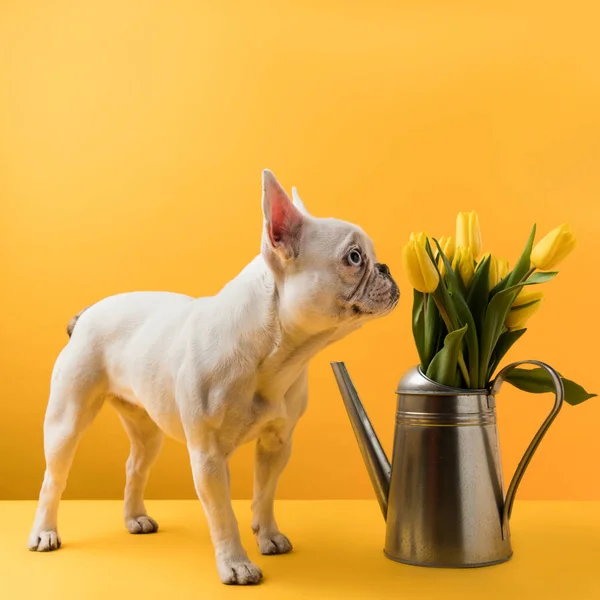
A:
445,506
373,454
535,442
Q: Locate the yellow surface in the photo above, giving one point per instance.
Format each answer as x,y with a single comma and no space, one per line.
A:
337,555
132,137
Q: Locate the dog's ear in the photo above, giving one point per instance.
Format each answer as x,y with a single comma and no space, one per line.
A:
298,202
283,221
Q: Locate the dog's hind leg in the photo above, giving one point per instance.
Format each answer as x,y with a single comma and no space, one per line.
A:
146,442
76,396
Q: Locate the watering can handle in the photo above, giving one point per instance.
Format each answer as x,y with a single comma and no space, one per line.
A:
558,401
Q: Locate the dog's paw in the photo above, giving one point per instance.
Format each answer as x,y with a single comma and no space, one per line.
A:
141,524
274,543
44,541
238,571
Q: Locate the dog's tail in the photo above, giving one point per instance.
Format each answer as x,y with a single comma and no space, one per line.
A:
74,320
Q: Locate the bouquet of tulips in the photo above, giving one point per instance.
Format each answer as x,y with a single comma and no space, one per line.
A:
469,309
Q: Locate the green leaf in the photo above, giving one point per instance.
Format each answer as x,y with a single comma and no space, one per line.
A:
538,381
542,277
418,325
493,325
477,297
495,316
442,290
524,263
465,317
433,322
499,286
444,366
522,306
503,345
521,268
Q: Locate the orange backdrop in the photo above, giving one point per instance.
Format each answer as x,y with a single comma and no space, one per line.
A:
132,138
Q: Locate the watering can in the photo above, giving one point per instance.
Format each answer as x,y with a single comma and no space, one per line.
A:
443,495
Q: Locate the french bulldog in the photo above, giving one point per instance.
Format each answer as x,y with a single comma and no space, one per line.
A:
214,372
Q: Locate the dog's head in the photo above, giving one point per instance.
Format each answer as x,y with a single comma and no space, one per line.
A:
326,270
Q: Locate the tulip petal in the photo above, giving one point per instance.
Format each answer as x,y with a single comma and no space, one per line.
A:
429,273
474,235
518,316
553,248
462,230
528,295
411,266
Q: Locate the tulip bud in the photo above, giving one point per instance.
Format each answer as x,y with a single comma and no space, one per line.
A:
418,265
517,317
465,264
447,246
493,268
552,249
468,234
529,294
420,237
503,268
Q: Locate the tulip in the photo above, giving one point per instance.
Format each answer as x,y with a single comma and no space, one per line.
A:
503,268
517,317
468,234
418,265
528,295
465,264
552,249
493,268
421,237
447,246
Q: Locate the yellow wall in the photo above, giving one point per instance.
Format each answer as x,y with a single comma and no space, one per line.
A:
132,137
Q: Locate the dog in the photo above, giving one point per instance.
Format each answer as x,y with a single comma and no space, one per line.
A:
214,372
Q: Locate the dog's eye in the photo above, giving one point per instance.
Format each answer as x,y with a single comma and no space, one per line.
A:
355,258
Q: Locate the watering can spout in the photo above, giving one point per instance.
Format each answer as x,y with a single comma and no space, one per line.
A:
373,454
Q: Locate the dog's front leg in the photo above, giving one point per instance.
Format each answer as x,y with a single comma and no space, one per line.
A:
211,478
272,455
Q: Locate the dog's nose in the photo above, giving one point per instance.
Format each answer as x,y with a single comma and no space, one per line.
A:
383,269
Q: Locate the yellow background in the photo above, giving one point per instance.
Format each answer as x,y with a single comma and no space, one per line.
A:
132,137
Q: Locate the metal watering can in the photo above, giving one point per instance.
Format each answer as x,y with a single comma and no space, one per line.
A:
443,495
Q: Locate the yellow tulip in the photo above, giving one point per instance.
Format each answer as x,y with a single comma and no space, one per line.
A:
447,246
493,268
418,265
529,294
421,237
465,264
552,249
518,317
468,234
503,268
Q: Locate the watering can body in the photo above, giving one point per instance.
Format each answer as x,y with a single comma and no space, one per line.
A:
443,494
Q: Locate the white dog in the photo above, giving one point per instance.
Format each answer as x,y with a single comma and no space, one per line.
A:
214,372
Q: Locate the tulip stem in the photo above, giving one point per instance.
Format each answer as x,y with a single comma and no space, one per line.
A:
529,274
443,312
463,369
